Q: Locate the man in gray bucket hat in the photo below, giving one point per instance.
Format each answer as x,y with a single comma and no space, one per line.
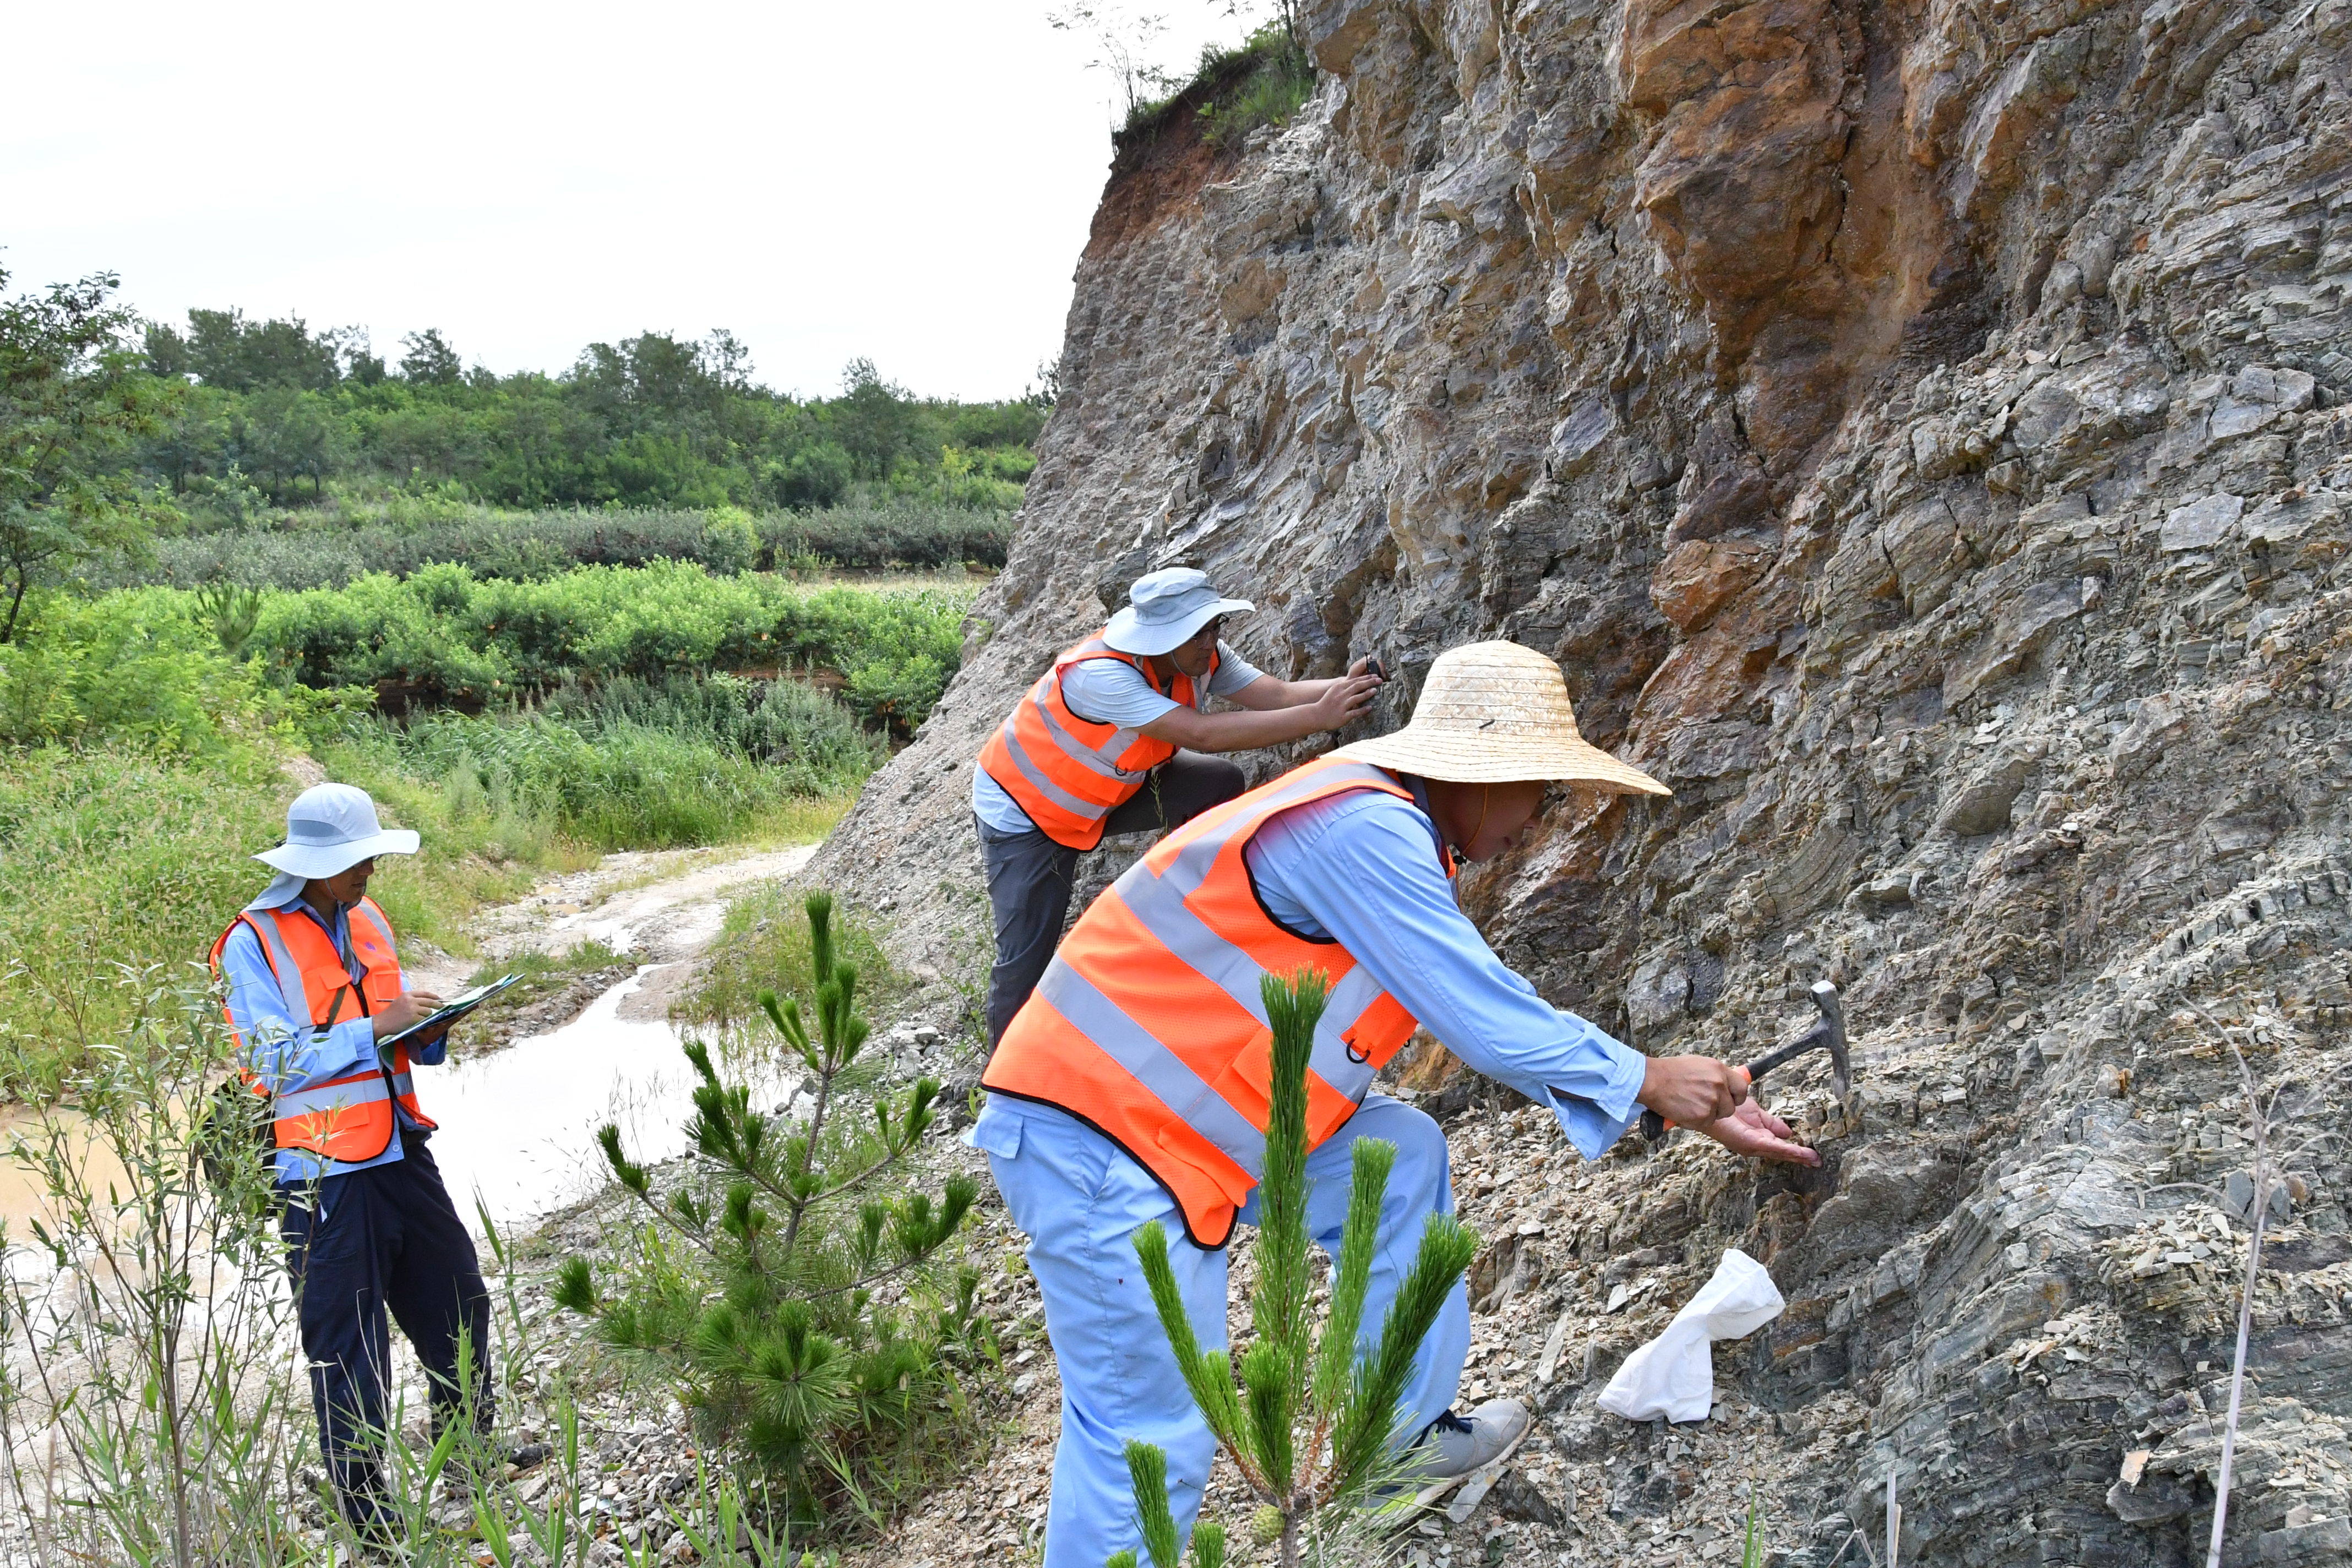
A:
318,1005
1110,739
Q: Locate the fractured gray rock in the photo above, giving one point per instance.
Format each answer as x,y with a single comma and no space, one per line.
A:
1855,403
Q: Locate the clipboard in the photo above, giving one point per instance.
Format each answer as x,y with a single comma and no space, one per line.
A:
449,1012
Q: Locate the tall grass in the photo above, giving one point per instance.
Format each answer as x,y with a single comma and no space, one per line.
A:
139,1351
140,769
636,765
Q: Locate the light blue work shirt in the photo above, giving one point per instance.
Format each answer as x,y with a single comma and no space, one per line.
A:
1108,691
1361,868
289,1055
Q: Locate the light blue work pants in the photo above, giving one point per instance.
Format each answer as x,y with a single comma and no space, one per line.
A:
1081,1200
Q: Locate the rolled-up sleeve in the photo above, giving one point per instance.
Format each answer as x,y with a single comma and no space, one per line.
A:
1365,867
283,1054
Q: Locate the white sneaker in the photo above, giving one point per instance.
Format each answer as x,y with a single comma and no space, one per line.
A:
1454,1447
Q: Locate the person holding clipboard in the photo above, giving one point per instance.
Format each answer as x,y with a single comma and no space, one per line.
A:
329,1034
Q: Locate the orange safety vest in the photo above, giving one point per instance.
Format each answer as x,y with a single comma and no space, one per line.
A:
1067,771
1148,1024
347,1117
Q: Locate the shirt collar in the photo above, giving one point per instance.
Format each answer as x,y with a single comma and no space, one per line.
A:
285,892
1419,788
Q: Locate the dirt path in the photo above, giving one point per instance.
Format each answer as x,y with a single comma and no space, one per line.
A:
656,906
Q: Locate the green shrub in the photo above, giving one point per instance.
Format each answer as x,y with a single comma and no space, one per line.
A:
817,476
447,636
1279,80
759,1298
138,667
876,538
920,527
730,543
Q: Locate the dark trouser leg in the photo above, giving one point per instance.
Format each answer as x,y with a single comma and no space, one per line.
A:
1029,878
436,1295
1178,790
338,1262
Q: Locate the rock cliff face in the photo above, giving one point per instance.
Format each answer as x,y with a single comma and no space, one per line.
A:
1915,429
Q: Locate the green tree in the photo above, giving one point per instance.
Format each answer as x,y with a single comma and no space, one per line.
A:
290,435
873,420
430,360
815,476
1314,1425
73,397
789,1353
363,366
223,349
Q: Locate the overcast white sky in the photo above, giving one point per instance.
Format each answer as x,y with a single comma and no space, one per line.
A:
910,182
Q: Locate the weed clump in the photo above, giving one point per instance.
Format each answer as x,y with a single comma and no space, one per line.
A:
1271,79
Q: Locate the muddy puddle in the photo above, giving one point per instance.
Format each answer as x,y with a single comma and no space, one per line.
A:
23,1196
518,1136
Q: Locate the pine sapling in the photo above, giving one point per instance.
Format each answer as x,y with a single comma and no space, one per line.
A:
791,1354
1313,1423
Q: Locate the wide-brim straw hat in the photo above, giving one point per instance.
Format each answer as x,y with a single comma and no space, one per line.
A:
1495,712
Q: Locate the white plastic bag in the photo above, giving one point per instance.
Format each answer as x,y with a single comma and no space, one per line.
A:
1673,1375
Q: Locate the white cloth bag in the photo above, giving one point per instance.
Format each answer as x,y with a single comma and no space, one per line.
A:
1673,1375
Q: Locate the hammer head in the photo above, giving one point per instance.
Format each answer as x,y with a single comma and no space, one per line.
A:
1832,1030
1828,1031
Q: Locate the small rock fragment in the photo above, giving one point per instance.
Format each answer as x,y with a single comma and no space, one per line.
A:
1517,1497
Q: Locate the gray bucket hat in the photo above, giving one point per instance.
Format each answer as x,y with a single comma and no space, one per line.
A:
1166,607
332,827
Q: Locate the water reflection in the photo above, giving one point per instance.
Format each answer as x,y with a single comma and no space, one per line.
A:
519,1127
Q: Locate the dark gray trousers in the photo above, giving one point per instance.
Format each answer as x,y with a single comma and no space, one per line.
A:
1030,876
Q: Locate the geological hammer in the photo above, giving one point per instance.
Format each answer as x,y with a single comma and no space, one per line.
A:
1828,1031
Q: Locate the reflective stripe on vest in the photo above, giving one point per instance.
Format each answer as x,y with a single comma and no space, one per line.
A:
1150,1023
350,1118
1067,771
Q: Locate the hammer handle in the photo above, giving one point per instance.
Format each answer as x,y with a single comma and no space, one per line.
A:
1774,1058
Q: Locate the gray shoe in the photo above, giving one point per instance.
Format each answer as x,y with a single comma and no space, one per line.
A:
1453,1446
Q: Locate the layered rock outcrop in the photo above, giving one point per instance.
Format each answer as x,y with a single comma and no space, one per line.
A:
1917,431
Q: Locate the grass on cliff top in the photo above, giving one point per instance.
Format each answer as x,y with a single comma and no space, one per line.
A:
1264,80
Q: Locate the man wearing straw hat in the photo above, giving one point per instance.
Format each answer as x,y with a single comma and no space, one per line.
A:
314,991
1110,740
1132,1085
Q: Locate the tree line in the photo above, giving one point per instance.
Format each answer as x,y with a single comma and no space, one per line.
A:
113,428
652,420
